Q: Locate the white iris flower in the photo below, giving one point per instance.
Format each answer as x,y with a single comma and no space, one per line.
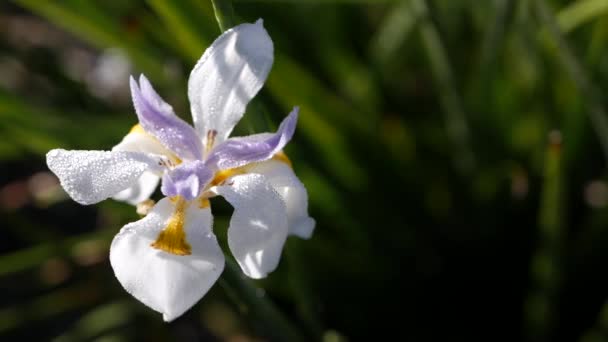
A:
170,258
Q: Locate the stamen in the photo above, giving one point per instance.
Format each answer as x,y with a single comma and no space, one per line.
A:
172,239
210,140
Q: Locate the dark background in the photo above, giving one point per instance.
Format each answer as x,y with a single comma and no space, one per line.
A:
454,153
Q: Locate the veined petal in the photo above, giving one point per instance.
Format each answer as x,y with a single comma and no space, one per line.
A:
92,176
286,183
240,151
258,227
166,282
228,75
158,119
187,180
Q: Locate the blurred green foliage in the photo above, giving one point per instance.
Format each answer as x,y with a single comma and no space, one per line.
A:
454,152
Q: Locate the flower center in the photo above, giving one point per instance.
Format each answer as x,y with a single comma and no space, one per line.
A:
172,239
221,176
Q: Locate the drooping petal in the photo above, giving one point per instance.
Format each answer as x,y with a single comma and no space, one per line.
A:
258,227
166,282
187,180
282,178
92,176
142,189
228,75
240,151
158,119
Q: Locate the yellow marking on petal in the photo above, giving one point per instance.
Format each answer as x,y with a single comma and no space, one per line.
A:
282,157
137,129
203,203
222,175
172,239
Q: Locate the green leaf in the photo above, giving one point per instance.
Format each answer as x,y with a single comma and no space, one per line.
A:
580,12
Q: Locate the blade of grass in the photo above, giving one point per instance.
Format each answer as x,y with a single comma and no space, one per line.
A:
580,12
392,34
39,129
224,14
251,300
546,263
34,256
599,331
589,92
183,29
99,320
451,102
495,36
98,29
49,305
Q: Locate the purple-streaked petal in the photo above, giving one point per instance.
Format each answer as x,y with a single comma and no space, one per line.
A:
228,75
158,119
187,180
241,151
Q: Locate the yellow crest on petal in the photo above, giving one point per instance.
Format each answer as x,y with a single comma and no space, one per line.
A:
282,157
172,239
137,129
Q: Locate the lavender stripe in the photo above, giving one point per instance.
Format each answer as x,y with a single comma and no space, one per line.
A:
157,118
240,151
187,180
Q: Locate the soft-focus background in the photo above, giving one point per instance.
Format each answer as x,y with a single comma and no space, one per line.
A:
454,152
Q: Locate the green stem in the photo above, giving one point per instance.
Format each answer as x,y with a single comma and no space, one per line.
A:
494,38
252,301
249,298
224,14
546,265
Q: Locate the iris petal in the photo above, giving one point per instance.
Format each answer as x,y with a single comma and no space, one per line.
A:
240,151
166,282
158,119
228,75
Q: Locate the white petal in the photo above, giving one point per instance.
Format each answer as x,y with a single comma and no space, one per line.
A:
258,227
139,141
141,191
228,75
167,283
92,176
286,183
